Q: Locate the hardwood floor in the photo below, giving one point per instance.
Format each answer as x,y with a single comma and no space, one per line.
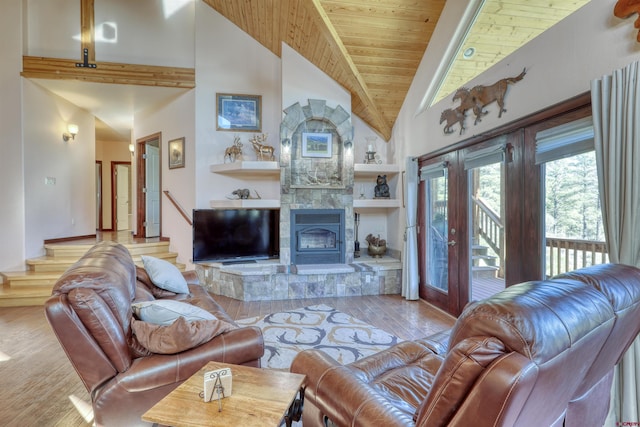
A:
38,385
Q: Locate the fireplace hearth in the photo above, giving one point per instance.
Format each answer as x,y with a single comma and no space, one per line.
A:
317,236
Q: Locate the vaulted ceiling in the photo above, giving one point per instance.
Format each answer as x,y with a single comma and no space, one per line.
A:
373,47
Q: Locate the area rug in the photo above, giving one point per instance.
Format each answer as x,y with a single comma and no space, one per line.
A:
322,327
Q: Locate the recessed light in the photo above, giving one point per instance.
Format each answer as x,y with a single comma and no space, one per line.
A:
469,52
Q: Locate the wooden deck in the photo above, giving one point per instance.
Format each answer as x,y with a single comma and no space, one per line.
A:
483,287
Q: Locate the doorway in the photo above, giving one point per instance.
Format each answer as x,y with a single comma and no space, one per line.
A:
98,177
148,184
442,233
121,195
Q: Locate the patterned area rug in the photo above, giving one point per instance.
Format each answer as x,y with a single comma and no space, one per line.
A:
340,335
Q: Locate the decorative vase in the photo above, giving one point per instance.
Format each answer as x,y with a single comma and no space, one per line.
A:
377,251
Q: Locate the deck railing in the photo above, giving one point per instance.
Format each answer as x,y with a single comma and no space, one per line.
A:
565,255
489,226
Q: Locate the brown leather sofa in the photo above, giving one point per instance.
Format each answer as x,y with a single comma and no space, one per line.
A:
536,354
90,312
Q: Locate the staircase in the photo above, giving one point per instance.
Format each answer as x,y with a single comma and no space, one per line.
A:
33,286
484,265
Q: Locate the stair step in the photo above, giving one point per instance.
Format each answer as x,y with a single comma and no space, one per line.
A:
76,250
479,250
29,279
484,271
60,264
33,286
23,296
484,260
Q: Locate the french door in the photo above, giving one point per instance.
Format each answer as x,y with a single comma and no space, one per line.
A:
461,219
480,214
442,232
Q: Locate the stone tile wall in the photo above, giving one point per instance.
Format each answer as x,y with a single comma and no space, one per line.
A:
267,282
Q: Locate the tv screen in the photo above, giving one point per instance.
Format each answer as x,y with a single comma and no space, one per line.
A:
235,235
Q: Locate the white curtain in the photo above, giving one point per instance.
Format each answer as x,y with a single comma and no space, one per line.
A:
616,120
410,275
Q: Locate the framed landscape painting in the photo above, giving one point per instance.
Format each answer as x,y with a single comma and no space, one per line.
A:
239,112
316,144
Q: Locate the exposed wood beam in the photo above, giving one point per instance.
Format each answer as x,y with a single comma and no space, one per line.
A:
108,72
358,86
87,29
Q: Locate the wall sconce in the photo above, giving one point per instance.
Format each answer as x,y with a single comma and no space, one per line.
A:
348,145
72,132
286,144
132,149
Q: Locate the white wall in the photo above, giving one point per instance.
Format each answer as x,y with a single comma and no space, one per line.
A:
11,168
65,205
57,38
175,120
560,65
301,81
229,61
146,32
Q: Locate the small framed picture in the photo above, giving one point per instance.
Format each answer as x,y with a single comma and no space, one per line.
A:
176,153
239,112
316,144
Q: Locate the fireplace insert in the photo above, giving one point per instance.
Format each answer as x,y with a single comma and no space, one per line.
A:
317,236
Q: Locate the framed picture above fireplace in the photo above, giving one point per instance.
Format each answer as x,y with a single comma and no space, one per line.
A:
316,144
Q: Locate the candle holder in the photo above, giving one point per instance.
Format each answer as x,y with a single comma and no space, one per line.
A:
370,157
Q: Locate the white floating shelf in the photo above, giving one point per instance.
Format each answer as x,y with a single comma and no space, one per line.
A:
374,169
248,168
376,203
246,203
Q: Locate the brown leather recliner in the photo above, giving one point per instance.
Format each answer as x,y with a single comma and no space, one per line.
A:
532,355
90,313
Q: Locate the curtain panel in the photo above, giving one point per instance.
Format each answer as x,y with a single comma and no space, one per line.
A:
616,121
410,276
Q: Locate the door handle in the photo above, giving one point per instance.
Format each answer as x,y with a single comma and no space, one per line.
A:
451,243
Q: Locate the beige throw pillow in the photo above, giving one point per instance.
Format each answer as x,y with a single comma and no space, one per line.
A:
181,335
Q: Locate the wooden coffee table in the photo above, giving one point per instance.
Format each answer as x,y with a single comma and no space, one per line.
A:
260,397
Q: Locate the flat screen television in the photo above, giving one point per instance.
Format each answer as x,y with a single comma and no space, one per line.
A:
235,235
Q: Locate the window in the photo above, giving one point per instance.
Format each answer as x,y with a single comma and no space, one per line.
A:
573,230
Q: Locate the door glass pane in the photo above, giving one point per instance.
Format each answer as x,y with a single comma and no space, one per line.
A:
574,234
487,232
436,219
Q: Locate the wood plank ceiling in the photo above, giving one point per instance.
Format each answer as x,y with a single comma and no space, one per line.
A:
373,47
501,27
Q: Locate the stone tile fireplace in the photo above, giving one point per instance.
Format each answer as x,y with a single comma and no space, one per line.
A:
316,248
312,183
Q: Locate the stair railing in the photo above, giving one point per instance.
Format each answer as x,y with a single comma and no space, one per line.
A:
490,227
178,207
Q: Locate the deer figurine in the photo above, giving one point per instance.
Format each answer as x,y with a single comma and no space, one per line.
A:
263,151
233,152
